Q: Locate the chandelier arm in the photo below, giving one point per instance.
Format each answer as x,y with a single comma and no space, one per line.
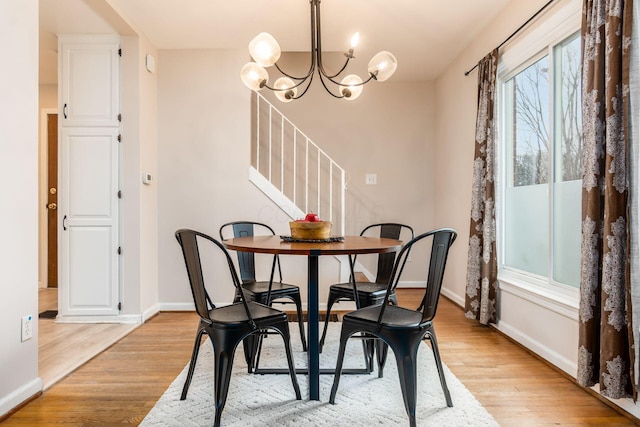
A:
335,82
302,79
327,87
324,72
305,89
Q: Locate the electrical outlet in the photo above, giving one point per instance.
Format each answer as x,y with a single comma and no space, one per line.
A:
27,328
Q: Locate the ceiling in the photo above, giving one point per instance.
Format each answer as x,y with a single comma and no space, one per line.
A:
424,35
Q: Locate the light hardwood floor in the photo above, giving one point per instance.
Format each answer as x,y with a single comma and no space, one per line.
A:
120,386
63,347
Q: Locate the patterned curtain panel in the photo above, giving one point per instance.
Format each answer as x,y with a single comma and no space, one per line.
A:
482,266
605,353
634,178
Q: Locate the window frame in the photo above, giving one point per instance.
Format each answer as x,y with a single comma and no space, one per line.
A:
555,26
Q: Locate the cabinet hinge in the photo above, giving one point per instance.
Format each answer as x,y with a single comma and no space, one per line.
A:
119,194
119,250
119,306
120,117
119,52
119,138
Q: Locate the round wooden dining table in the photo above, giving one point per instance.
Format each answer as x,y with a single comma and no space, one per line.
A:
350,245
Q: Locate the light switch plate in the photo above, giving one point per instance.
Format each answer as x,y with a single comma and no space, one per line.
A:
371,179
150,63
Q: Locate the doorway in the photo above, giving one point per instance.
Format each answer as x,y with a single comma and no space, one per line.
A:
52,200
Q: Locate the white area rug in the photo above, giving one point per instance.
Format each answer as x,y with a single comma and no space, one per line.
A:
362,400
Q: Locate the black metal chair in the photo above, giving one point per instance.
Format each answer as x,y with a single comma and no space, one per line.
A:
264,292
400,328
229,325
367,293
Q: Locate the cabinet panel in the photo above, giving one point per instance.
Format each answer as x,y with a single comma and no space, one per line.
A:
89,70
90,219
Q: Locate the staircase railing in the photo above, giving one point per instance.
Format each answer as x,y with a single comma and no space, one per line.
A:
296,166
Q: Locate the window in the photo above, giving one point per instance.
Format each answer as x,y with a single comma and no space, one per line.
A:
540,145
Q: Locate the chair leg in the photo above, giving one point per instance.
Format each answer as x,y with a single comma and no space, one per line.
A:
223,355
192,363
257,349
250,346
382,347
381,350
436,355
332,299
407,371
298,301
283,329
344,336
368,346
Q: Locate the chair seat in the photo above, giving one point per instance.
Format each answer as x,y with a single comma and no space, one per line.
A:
258,288
236,314
394,317
365,289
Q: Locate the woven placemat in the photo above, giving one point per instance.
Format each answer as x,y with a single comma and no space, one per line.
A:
290,239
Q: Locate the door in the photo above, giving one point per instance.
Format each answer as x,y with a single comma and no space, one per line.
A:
52,200
88,194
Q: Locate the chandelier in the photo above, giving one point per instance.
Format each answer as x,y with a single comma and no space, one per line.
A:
265,52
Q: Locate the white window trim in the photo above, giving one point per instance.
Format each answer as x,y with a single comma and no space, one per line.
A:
559,22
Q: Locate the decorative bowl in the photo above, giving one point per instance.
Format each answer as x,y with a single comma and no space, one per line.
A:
320,230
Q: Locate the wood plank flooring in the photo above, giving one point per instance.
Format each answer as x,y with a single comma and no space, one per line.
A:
63,347
120,386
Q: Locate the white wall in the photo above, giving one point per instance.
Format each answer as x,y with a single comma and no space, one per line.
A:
139,154
149,193
390,131
204,154
203,158
19,165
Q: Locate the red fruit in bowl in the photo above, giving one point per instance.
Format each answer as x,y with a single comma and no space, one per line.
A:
311,217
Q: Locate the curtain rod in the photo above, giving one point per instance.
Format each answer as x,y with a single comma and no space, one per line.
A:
515,32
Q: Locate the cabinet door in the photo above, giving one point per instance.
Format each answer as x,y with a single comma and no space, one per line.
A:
88,203
89,220
89,80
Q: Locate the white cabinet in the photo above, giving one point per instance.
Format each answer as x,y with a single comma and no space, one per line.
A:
89,87
89,157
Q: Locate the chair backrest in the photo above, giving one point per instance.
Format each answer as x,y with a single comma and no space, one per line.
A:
441,241
246,260
188,240
388,230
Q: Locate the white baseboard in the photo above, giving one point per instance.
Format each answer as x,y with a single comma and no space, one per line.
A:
627,404
177,306
538,348
150,312
452,296
20,395
132,319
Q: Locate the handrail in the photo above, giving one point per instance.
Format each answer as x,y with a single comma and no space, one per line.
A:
327,195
